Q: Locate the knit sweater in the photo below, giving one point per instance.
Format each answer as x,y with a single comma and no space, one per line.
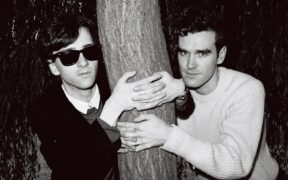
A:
225,135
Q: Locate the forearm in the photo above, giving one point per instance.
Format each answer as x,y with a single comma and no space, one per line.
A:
230,152
111,112
217,160
112,132
180,85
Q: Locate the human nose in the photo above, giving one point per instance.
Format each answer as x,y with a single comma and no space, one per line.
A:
82,61
191,62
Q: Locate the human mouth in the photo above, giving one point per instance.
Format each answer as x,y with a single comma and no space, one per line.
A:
84,73
192,74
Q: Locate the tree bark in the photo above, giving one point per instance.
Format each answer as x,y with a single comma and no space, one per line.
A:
132,39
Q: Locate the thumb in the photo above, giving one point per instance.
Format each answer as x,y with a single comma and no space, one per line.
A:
123,150
127,75
142,117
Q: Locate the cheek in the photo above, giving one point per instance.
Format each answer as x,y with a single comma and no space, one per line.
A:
95,65
68,74
211,64
209,69
182,62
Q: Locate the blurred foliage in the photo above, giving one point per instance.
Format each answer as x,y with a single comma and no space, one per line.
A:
258,34
258,46
23,77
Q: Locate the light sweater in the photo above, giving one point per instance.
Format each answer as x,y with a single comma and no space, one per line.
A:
223,134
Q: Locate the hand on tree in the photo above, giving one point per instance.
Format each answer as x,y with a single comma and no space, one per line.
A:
145,132
125,149
124,92
121,98
172,88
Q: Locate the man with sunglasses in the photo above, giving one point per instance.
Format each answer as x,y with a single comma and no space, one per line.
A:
76,142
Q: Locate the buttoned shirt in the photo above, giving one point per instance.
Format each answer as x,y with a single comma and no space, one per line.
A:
84,106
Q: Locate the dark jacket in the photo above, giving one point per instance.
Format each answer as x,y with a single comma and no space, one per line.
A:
72,148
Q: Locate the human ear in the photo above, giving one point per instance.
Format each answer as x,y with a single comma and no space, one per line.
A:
53,68
222,55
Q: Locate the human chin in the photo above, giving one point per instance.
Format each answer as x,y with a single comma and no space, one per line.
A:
190,82
86,83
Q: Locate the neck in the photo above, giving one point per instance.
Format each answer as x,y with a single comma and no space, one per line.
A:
80,94
210,85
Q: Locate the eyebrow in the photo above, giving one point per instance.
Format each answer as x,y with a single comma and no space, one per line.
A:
197,51
205,51
180,50
72,49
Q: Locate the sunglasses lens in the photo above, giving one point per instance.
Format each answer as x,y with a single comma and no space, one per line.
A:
90,53
69,58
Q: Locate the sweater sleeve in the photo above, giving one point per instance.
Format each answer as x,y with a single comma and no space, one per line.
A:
112,132
234,155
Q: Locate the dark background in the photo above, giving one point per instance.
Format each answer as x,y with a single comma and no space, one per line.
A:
258,35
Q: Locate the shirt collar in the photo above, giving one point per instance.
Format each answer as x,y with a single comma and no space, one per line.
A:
84,106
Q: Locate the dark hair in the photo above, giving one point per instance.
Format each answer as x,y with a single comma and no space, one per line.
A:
62,31
195,20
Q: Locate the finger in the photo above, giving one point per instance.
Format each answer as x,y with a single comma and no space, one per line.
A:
126,129
123,150
128,135
131,139
148,94
146,106
126,76
147,80
149,105
129,148
142,98
143,147
162,73
129,144
126,125
165,75
157,85
153,98
141,117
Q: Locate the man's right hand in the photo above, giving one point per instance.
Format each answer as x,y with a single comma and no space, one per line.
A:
145,132
172,89
149,96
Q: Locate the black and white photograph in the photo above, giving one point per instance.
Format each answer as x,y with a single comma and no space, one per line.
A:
143,89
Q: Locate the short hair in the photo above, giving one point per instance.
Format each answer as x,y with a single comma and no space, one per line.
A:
193,20
62,31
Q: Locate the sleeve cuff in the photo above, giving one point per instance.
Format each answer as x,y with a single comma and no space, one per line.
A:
173,140
112,132
178,142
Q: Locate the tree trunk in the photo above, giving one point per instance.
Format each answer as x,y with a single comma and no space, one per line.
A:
132,39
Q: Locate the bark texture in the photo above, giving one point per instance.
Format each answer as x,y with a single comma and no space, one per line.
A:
132,39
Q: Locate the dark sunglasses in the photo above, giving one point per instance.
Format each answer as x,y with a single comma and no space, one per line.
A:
70,57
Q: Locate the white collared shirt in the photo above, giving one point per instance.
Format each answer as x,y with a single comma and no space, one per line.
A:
84,106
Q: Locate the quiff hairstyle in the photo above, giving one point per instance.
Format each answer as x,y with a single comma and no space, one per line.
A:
62,31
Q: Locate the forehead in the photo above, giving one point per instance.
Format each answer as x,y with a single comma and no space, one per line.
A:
198,40
84,38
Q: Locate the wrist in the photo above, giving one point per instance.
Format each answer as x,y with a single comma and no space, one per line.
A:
183,96
181,88
169,129
110,113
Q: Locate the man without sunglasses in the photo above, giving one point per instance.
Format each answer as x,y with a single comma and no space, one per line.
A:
78,143
225,137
